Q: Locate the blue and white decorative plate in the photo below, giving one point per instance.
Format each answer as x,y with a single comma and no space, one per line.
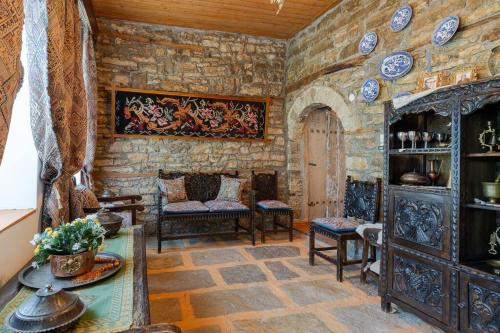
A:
396,65
370,90
367,43
401,18
445,30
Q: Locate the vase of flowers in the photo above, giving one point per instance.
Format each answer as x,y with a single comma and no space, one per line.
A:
71,247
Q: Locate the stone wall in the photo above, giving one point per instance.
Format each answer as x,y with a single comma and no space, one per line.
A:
172,59
332,41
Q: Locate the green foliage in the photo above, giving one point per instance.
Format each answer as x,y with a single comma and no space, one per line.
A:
69,238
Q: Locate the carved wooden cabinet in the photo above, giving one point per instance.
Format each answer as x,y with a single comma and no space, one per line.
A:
421,283
479,304
436,257
420,221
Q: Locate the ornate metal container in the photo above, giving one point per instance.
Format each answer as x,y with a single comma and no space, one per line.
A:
413,178
491,191
72,264
49,310
109,221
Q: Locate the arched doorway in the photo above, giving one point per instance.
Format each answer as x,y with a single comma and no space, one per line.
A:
307,100
324,164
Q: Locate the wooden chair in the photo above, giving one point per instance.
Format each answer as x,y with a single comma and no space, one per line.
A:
361,205
369,256
265,193
124,205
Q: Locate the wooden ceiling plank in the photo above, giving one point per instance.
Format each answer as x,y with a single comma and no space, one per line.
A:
254,17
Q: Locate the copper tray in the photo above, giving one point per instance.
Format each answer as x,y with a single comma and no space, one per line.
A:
39,278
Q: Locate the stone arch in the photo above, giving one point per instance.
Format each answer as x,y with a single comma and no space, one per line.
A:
305,101
312,98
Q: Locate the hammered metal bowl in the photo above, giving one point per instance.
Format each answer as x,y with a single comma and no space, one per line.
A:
109,221
49,310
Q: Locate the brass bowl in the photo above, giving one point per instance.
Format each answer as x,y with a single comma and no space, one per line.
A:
491,191
72,264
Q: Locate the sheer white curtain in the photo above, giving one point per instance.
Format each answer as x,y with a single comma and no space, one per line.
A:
19,168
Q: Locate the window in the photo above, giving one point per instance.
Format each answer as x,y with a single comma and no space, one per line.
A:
19,168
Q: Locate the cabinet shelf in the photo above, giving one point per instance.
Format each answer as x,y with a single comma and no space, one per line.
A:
494,154
488,266
420,151
484,207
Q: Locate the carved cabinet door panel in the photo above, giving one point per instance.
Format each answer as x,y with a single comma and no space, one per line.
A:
420,221
420,283
479,305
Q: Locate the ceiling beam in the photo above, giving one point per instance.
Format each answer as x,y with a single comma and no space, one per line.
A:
89,9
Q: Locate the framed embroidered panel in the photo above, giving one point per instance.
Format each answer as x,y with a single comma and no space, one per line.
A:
161,114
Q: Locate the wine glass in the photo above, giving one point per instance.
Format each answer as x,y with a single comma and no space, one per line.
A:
414,138
427,137
403,136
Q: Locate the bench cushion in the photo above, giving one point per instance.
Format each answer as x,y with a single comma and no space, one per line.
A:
223,206
173,190
272,205
337,224
185,207
230,189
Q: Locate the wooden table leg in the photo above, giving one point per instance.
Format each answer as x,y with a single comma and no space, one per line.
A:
340,256
311,246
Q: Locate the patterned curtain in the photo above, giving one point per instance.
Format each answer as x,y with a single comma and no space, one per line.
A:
57,97
11,30
90,80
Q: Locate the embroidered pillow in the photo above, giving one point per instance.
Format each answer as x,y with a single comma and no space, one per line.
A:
230,189
174,190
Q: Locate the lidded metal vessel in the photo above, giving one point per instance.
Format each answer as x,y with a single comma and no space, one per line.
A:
109,221
51,309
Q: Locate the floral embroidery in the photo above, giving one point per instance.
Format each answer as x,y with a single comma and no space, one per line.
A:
174,190
221,205
338,223
272,204
230,189
185,207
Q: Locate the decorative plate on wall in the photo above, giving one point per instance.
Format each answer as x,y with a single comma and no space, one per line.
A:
401,18
368,43
445,30
396,65
370,90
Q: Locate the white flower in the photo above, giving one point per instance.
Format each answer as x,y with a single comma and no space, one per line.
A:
35,265
47,246
35,239
76,247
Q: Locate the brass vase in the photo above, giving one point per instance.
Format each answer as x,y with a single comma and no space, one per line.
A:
72,264
491,190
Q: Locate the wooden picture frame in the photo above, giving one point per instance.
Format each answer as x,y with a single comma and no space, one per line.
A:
141,113
432,81
464,75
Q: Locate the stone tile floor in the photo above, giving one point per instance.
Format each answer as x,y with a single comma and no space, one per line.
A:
226,285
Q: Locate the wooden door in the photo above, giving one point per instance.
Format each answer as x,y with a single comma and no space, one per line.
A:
324,165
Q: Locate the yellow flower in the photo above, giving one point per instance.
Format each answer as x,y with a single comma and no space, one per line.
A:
101,247
37,249
48,230
96,221
55,234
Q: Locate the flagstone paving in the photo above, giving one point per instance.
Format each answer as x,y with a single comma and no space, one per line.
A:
221,285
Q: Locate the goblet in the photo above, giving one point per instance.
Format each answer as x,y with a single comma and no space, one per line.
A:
427,137
442,138
414,138
403,136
